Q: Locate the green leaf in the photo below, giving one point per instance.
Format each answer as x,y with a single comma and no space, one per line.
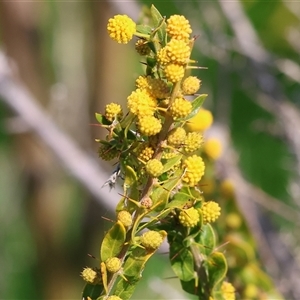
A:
196,104
170,163
92,290
101,119
161,194
132,270
144,29
182,261
159,25
113,241
189,286
217,268
130,176
207,239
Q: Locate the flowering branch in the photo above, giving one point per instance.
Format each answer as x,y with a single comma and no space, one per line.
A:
159,146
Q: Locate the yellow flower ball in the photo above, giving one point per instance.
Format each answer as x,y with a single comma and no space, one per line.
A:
125,218
149,125
180,108
193,142
194,170
227,188
141,103
154,167
200,122
178,27
151,239
91,276
210,211
176,136
190,85
121,28
213,148
113,111
178,51
174,72
228,291
189,217
145,152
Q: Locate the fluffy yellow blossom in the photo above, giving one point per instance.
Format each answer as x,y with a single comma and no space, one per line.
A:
200,122
190,85
125,218
178,52
210,211
228,291
142,83
233,220
227,188
152,239
158,88
162,56
194,170
154,167
149,125
189,217
145,152
113,264
180,108
213,148
141,103
178,27
176,136
174,72
121,28
91,276
113,111
193,142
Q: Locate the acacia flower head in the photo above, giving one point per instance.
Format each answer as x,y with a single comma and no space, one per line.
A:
125,218
213,148
149,125
178,51
194,170
193,142
210,211
121,28
174,72
178,27
228,291
112,111
141,103
145,152
91,276
180,108
152,239
176,136
113,264
190,85
154,167
189,217
200,122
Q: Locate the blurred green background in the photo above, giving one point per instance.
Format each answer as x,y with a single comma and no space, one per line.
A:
60,52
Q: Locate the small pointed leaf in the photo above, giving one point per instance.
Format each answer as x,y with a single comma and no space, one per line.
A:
217,268
113,241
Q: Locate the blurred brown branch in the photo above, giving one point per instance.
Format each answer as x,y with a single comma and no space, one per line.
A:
81,165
